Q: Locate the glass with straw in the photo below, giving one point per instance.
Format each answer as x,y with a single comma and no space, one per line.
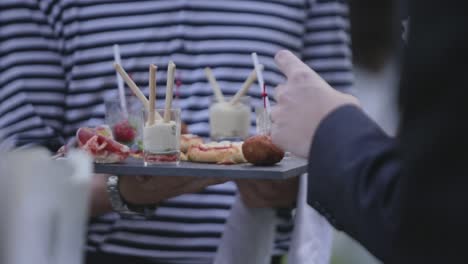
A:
123,113
263,117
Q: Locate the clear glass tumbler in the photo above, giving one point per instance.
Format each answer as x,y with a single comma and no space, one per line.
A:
126,129
263,121
161,140
230,121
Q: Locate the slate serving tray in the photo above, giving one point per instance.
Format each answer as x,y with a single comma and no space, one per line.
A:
288,167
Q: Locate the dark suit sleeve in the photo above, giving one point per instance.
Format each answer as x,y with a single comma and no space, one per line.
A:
406,200
354,176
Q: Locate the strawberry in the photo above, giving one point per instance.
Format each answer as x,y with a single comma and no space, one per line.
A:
124,132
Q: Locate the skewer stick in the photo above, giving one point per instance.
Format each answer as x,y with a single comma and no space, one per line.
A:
258,69
216,89
245,87
178,83
120,84
169,91
152,94
134,88
132,85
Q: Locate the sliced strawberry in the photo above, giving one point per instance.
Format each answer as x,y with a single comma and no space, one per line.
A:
124,131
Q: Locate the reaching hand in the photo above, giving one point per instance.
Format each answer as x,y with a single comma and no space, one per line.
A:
302,103
268,193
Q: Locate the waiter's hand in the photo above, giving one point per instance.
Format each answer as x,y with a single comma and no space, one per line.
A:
154,189
302,103
268,193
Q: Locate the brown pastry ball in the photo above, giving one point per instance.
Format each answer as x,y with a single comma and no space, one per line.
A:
260,151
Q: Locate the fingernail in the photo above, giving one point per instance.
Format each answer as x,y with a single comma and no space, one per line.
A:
280,54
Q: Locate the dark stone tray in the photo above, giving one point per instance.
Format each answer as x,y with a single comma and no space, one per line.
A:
288,167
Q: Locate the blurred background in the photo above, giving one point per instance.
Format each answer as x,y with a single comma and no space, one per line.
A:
377,92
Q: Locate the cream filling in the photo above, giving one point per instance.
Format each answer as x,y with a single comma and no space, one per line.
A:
161,137
228,120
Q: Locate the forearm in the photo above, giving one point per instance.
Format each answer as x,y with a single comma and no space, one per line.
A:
354,178
131,191
100,203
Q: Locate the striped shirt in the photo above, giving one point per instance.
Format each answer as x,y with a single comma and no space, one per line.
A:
56,70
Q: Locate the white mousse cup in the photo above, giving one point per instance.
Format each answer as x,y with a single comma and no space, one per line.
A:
230,121
161,140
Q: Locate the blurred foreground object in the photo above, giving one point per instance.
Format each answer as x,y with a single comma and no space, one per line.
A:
44,206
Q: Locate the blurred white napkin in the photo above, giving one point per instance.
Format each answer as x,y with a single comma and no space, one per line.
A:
45,211
248,237
312,236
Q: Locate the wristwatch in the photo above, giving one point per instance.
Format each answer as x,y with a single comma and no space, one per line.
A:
120,206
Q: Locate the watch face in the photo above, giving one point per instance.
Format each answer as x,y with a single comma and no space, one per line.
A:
113,180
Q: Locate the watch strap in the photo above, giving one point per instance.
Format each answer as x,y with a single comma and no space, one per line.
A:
121,206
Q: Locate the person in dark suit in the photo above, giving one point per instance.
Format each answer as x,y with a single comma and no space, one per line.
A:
402,198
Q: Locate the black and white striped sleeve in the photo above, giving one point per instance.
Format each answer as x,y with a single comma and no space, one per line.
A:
327,42
32,83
